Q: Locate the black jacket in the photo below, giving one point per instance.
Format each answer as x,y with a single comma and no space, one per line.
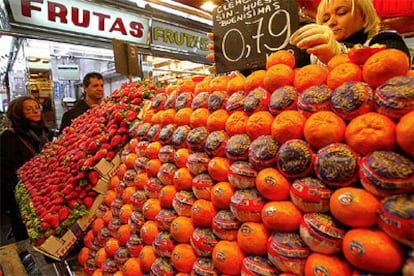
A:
78,109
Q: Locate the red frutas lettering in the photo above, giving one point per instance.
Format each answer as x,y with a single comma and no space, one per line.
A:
136,29
57,10
101,18
85,17
118,26
27,7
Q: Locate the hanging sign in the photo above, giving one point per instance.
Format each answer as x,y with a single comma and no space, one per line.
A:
247,31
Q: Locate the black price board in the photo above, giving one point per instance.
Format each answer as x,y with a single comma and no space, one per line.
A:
247,31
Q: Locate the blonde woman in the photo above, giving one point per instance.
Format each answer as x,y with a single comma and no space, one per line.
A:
341,24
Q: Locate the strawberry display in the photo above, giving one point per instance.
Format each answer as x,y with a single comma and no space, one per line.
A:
56,186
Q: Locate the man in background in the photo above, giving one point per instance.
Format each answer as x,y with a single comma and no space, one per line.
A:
93,87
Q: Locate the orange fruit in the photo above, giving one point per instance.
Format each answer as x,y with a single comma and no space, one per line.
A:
337,60
100,257
111,246
168,116
97,225
259,123
331,265
127,193
218,167
199,117
323,128
221,194
148,232
252,238
343,73
167,194
281,57
153,149
147,116
372,251
141,179
354,207
384,65
405,133
180,157
83,255
151,208
107,217
236,123
169,89
203,212
228,257
370,131
219,83
183,179
182,117
235,84
124,232
113,181
309,75
121,171
131,267
277,76
254,80
181,229
147,258
186,85
153,166
110,196
288,125
217,120
125,212
183,257
156,118
281,216
272,185
203,86
130,160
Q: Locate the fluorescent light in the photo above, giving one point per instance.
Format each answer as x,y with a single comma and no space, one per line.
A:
208,6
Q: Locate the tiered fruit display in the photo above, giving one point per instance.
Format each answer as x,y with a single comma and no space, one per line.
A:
277,172
57,186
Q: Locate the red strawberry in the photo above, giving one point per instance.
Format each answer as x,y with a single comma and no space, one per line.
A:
115,140
54,220
44,226
64,213
88,201
93,177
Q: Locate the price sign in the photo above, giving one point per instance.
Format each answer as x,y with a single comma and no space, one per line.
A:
247,31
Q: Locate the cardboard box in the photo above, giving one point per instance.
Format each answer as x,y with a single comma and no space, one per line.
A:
60,248
107,169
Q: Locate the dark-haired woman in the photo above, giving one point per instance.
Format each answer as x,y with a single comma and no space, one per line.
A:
24,139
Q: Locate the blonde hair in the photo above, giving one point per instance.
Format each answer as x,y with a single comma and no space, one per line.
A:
372,20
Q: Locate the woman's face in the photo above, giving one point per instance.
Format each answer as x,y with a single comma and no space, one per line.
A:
32,111
339,18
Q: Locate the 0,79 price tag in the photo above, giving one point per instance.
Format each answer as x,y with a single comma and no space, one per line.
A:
247,31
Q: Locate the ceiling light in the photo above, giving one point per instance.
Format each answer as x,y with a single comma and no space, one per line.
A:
208,6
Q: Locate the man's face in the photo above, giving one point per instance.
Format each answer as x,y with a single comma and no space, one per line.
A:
95,90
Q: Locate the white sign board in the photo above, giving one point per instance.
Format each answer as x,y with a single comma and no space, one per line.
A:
68,72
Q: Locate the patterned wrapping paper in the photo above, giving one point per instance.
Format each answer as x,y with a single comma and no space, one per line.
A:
352,99
242,175
166,133
136,221
263,152
337,165
182,202
179,138
396,218
322,233
153,133
287,251
164,244
256,100
164,218
197,162
162,267
314,98
203,241
196,138
200,100
237,147
202,185
183,100
141,131
235,102
225,225
216,143
135,244
283,98
309,194
152,187
158,101
258,265
217,100
204,266
295,158
247,204
170,101
166,173
166,154
395,97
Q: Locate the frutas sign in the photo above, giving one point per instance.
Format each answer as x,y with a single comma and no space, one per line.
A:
80,17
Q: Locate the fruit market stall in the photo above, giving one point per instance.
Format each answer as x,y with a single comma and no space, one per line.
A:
285,170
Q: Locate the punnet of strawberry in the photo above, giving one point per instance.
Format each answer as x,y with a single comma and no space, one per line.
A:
56,186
